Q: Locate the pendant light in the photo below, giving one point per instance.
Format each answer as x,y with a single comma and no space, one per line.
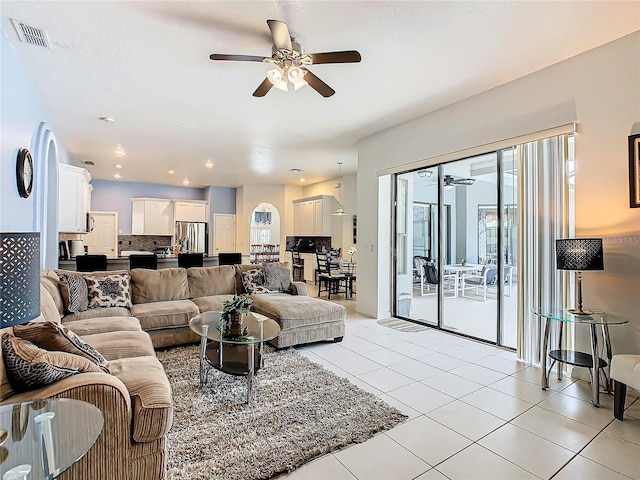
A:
339,210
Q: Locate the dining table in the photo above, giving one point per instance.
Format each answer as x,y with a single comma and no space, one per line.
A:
458,269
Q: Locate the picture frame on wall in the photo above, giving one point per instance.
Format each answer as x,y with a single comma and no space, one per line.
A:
634,170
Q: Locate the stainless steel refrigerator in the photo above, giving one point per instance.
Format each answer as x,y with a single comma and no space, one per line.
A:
191,237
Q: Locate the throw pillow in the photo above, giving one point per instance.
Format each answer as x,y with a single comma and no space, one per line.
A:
56,337
109,291
253,281
29,367
277,277
74,292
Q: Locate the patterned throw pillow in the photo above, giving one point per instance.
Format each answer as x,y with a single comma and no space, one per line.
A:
277,277
74,292
253,281
29,367
109,291
58,338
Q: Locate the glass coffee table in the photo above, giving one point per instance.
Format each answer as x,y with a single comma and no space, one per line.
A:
43,438
233,355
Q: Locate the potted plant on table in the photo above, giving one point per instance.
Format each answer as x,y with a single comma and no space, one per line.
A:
233,312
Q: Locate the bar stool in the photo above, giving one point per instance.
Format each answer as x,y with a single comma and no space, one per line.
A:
91,263
229,258
143,261
188,260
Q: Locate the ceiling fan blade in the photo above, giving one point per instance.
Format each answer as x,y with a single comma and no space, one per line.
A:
263,88
348,56
317,84
280,34
237,58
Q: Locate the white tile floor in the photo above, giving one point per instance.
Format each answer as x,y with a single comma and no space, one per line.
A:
474,413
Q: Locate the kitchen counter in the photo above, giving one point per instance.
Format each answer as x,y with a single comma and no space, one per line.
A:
122,263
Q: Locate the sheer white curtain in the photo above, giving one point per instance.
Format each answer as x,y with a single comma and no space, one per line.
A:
544,196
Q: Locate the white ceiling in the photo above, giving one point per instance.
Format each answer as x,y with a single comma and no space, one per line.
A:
146,64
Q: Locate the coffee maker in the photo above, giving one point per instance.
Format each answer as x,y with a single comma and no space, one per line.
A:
63,251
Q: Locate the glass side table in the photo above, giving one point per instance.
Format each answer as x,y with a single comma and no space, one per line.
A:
579,359
233,355
46,437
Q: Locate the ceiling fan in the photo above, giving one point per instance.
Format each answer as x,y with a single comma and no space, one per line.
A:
450,181
290,63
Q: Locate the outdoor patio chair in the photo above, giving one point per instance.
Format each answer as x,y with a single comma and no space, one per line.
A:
476,281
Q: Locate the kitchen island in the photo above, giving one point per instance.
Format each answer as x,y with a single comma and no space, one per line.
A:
168,261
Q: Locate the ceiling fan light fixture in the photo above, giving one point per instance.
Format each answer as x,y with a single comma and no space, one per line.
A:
295,75
277,77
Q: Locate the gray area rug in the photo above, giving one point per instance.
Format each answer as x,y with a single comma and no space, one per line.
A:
301,411
402,325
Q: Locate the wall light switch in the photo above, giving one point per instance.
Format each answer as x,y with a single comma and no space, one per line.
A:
120,231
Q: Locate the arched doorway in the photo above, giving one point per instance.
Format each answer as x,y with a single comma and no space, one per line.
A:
45,156
264,234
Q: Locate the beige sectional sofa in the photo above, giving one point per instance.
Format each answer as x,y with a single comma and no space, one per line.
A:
135,397
165,300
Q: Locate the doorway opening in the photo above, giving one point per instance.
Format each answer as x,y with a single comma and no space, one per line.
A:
264,234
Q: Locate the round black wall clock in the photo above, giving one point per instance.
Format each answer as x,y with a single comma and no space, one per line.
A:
24,172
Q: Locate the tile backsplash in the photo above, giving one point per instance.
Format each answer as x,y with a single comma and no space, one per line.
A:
146,243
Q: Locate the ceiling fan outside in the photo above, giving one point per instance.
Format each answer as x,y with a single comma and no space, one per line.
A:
290,63
450,181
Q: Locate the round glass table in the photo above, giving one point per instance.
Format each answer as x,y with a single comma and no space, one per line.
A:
592,361
238,355
45,437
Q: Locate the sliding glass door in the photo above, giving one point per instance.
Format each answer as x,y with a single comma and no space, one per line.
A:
456,237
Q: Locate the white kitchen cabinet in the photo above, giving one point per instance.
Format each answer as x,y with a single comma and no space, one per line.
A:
310,265
312,216
152,216
74,199
190,211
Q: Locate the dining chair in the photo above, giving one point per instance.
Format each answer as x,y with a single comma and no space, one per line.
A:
297,267
333,282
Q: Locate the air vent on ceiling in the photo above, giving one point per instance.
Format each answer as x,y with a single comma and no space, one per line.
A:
88,162
31,35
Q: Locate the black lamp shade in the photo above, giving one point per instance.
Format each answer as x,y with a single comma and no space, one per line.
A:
579,254
19,278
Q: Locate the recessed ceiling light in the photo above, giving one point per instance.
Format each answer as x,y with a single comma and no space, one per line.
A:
171,172
303,180
106,119
209,164
120,151
185,181
118,165
117,175
295,170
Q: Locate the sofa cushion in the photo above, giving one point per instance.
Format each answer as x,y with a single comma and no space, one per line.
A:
114,345
292,311
109,291
157,315
29,367
75,295
48,309
253,282
97,313
57,337
150,391
49,279
212,303
207,281
159,285
277,278
92,326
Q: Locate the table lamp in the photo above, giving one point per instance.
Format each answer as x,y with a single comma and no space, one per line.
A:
19,277
579,254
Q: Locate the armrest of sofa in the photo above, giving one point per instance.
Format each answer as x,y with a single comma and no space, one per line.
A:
300,288
109,456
